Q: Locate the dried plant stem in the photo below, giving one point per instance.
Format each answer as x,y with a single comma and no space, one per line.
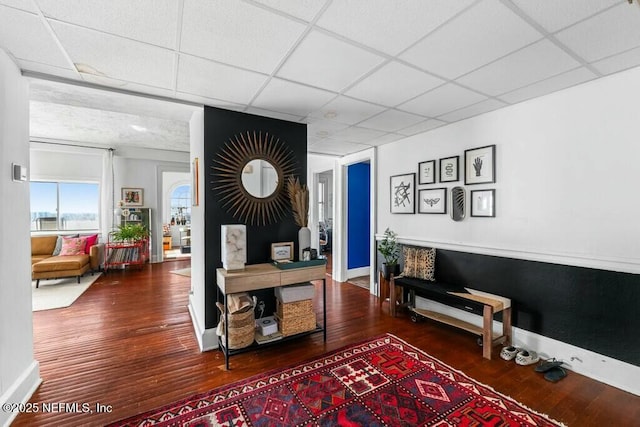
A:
299,198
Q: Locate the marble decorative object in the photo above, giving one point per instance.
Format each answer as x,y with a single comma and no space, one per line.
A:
304,241
234,246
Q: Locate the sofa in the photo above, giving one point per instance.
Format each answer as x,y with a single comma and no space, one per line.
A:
54,256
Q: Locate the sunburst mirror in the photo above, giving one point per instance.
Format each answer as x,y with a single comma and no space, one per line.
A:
249,172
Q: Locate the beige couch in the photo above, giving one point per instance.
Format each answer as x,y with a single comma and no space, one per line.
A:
46,266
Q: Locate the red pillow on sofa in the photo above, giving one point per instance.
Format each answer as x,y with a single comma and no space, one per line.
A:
73,246
91,240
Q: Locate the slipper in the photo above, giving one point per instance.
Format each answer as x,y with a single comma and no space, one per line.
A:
525,357
509,353
548,364
555,374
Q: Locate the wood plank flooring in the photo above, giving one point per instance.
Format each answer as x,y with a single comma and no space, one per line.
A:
128,343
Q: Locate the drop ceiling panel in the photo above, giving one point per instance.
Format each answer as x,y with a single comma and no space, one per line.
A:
473,110
391,121
385,139
25,36
26,5
207,78
358,134
606,34
337,148
324,128
555,15
623,61
347,110
326,62
422,127
536,62
393,84
442,100
291,98
237,33
562,81
386,25
456,49
303,9
116,57
150,21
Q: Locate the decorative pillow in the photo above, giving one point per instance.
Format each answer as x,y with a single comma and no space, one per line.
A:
419,263
73,246
58,247
91,240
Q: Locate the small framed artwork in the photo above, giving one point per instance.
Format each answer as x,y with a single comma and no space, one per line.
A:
483,203
449,171
403,193
480,165
282,251
432,201
427,172
132,196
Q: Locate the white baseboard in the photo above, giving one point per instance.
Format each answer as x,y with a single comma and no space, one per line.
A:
357,272
608,370
20,391
207,338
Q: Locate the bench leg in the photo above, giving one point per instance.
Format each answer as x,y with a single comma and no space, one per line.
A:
487,332
392,297
37,283
506,325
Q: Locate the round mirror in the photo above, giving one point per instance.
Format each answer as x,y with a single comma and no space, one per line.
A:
259,178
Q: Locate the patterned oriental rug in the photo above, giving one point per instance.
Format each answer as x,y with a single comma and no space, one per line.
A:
380,382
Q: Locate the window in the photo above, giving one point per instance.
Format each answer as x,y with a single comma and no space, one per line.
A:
181,205
64,206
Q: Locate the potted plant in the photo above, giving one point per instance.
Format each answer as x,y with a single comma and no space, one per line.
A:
129,233
390,250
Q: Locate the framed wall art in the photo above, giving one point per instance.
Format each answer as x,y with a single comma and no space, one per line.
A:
403,193
480,165
449,170
427,172
432,201
282,251
131,196
483,203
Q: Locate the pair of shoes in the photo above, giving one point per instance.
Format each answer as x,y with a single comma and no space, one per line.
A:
509,353
552,370
548,364
525,357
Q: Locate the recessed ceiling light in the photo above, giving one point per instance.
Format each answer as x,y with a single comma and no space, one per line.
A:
139,128
322,134
330,115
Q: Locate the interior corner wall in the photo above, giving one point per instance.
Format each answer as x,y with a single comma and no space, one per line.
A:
19,372
219,126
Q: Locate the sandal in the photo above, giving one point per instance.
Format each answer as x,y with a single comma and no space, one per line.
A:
555,374
509,353
547,365
525,357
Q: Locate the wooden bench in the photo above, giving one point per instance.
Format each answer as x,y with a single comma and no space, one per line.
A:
460,297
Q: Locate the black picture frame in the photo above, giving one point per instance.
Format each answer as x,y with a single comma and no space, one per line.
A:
427,172
483,203
449,168
432,201
402,193
480,165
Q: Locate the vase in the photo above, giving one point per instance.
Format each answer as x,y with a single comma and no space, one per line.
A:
304,241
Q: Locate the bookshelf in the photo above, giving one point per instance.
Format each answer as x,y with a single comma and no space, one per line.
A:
123,254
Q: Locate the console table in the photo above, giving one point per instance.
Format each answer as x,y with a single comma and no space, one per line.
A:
264,276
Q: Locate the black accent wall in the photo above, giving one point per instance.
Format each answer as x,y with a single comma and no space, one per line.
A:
219,126
598,310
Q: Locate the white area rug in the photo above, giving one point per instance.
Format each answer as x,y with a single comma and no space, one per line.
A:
59,293
183,272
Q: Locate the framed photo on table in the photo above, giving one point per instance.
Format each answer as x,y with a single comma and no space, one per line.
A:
427,172
432,201
483,203
132,196
480,165
449,170
403,193
282,251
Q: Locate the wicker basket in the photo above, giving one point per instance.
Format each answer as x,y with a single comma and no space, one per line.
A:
241,328
285,310
296,325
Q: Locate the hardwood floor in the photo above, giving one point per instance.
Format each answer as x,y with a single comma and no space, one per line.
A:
128,342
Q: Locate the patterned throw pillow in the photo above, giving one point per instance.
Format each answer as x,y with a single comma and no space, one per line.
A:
73,246
419,263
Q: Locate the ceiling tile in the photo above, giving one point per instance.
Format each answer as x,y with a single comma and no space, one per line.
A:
442,100
26,5
358,134
393,84
424,126
385,139
386,25
338,148
391,121
237,33
347,110
273,114
324,128
562,81
473,110
326,62
291,98
554,15
536,62
611,32
303,9
623,61
117,57
202,77
150,21
24,36
474,37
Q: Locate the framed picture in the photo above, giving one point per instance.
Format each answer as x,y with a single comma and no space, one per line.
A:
282,251
483,203
195,189
432,201
403,193
427,172
449,171
480,165
132,196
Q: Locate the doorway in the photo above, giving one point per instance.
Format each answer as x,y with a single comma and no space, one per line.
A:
175,215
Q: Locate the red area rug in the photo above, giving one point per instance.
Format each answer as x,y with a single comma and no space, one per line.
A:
380,382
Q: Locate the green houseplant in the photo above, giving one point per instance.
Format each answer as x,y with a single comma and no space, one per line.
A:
390,250
129,233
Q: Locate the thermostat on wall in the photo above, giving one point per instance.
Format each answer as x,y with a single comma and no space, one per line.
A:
19,172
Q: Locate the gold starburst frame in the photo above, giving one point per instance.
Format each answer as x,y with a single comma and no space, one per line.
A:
227,171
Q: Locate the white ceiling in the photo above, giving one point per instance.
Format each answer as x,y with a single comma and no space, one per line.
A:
361,73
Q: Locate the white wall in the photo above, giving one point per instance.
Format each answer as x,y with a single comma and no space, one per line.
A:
19,372
566,168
